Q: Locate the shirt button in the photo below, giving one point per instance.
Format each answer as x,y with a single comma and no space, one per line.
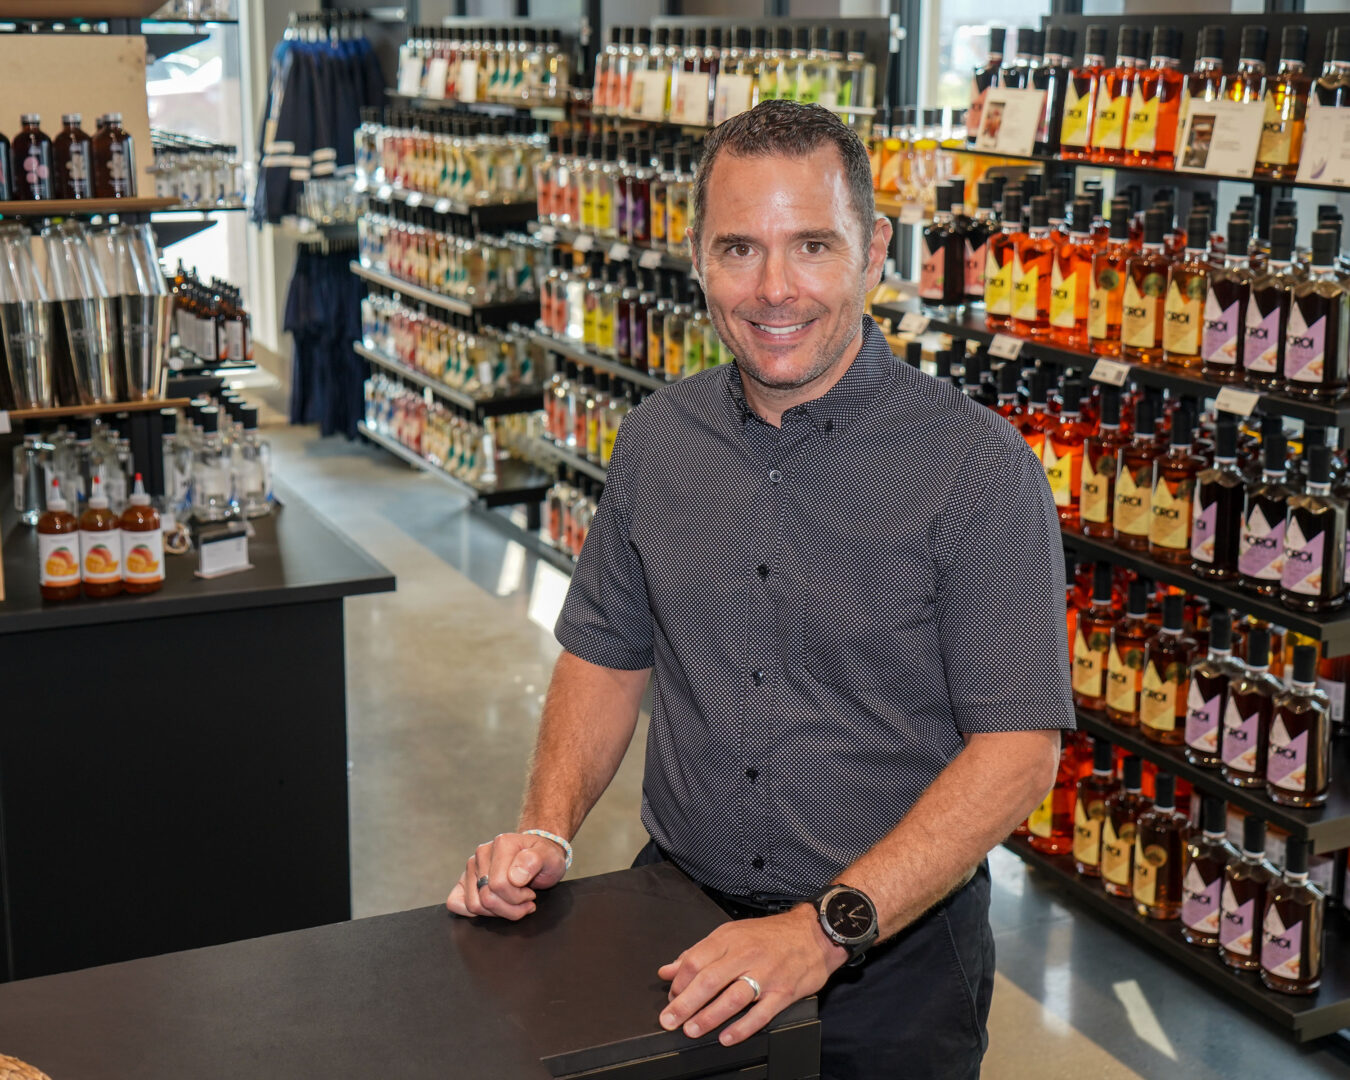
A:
763,570
775,476
751,774
758,676
757,862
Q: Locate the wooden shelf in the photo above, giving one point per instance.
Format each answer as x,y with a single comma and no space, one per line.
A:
46,208
61,412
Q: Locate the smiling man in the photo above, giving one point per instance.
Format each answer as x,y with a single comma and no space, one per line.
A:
848,581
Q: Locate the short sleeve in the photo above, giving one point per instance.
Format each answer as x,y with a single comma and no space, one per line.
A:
607,619
1002,625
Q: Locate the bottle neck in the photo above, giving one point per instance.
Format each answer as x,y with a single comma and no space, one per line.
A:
1011,226
1318,489
1219,654
1094,60
1205,65
1291,66
1153,249
1249,66
1253,856
1274,476
1194,254
1039,232
1296,879
1107,429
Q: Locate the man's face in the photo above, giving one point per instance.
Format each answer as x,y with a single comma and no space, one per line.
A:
783,265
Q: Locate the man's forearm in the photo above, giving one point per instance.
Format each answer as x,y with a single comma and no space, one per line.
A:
587,723
972,806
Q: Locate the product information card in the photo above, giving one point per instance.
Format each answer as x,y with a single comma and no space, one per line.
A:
733,96
1326,147
1009,121
1221,137
648,100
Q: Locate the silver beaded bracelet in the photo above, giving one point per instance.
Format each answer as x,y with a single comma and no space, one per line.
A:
567,848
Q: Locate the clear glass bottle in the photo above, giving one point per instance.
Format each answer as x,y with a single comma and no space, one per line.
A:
32,460
1246,83
1333,85
1173,495
1155,103
1247,716
1184,307
1293,927
1115,87
252,466
998,266
1106,293
1133,509
1062,455
1033,257
1208,854
212,491
1070,283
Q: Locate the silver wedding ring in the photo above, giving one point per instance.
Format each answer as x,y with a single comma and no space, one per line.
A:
753,985
482,882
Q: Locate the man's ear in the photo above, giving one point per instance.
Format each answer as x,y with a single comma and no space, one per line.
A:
877,249
693,256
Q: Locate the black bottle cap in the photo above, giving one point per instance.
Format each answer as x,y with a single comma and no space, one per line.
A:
1282,242
975,367
1059,41
1096,41
1133,772
1012,205
801,38
944,197
677,37
1110,408
1183,430
247,416
1174,612
1274,450
1165,42
1328,212
1197,229
1155,226
1082,216
958,186
1254,835
1254,42
1338,45
1031,186
1165,791
839,42
1127,42
209,418
1214,814
1101,582
1103,755
857,41
1239,235
1225,439
1137,603
1296,855
1009,377
985,192
1120,219
1305,663
1040,211
1211,42
1036,388
1294,43
998,35
1220,629
168,421
820,38
1258,647
913,353
1319,464
1145,417
1324,244
759,35
944,363
1058,201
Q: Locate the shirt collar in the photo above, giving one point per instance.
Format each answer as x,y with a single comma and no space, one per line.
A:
872,372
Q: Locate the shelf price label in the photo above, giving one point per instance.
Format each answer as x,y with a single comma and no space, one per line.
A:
1006,347
1111,372
1238,402
618,252
4,422
914,323
584,242
649,260
547,233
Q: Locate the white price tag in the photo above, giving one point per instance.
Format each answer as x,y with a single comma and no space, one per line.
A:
914,323
222,551
547,233
1238,402
584,242
434,87
618,252
4,422
443,206
413,199
1326,147
648,101
649,259
1111,372
1005,347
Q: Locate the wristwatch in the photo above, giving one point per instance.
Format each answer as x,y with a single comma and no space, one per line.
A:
849,918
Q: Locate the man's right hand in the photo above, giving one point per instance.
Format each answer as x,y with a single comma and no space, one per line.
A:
516,866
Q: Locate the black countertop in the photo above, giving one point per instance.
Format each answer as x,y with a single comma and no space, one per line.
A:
297,557
418,994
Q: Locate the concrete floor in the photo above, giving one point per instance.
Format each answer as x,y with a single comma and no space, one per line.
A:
445,680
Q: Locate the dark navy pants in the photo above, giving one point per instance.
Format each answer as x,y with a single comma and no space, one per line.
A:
916,1008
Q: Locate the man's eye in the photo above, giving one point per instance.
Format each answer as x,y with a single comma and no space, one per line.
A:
739,249
813,247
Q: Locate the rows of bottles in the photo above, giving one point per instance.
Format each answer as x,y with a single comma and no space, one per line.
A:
654,321
513,65
1132,112
209,319
569,509
583,410
481,361
445,254
912,154
74,165
466,156
688,68
199,173
1147,851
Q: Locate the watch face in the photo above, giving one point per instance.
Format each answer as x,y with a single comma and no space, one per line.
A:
848,914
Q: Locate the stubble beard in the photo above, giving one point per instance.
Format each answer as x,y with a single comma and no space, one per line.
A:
827,353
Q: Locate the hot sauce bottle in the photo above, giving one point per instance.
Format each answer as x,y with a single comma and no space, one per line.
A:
1033,260
1160,854
1242,900
1208,693
1091,642
1080,95
1106,295
1247,716
100,546
1293,930
1142,311
1119,829
1226,301
1216,520
58,549
142,544
1101,453
1089,810
1318,337
1167,662
1125,659
1115,88
1298,767
1155,103
1071,280
1206,79
1174,477
1062,454
1134,482
1208,854
32,153
1314,541
998,266
1286,98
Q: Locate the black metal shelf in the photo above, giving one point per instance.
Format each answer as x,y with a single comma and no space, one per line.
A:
494,314
539,110
971,326
600,363
489,215
616,250
1327,827
495,405
1311,1017
571,458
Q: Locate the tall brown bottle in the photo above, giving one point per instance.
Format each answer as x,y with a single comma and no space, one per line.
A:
1160,854
1242,901
1123,810
1090,809
32,153
1293,929
1167,663
1125,660
1298,766
1101,461
114,161
1208,694
1208,854
72,161
1174,478
1247,716
1091,642
1141,318
1133,512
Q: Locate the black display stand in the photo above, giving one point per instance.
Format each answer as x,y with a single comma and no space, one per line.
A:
570,991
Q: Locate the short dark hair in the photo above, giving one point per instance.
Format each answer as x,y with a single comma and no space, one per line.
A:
789,129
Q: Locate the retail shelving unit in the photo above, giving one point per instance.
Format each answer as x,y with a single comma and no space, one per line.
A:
575,351
489,314
524,400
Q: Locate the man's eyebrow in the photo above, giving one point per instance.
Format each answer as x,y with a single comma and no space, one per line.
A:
824,235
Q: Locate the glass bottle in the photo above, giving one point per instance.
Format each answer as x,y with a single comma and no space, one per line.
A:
1133,510
72,161
1089,809
1037,420
1205,81
1051,823
1244,744
252,466
1298,766
1226,304
1101,458
1160,854
1142,308
1115,87
1033,258
1071,280
1208,694
1293,927
212,494
114,161
1314,541
1062,455
1333,85
1017,73
1106,296
1155,103
32,154
620,404
1267,324
6,170
1174,479
1120,829
982,81
1242,900
1246,83
998,266
975,256
1184,308
1208,855
1052,76
1075,132
1217,512
30,458
1091,643
679,205
1286,98
941,268
1318,337
1163,694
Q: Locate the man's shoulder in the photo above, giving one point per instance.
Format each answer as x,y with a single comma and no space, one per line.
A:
689,402
940,415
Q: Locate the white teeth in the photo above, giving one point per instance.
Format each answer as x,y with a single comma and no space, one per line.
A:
779,329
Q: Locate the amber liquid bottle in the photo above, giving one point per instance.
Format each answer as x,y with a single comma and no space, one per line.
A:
1080,96
1247,82
1293,927
1101,459
1062,455
1133,513
1208,854
1318,338
1226,301
1091,643
1332,88
1184,308
1298,769
72,161
1216,519
1267,324
1313,579
1106,295
1115,88
1123,810
1167,663
1160,854
1155,103
1051,823
998,266
1033,262
1208,694
1247,716
1142,311
1089,809
114,161
1174,479
1286,98
1036,420
1205,81
32,153
1071,280
1242,900
1125,657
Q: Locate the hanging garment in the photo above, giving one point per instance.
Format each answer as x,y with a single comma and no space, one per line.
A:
323,316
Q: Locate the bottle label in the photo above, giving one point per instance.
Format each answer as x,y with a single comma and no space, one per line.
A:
1104,302
144,556
1182,318
59,558
1200,901
1123,679
101,556
1335,691
1147,862
1236,923
1171,523
1302,561
1277,136
974,268
1282,947
976,109
1240,734
1087,831
1141,129
1304,349
1096,487
1261,340
997,284
1139,312
1262,554
1133,504
1038,824
1109,130
1222,325
1026,289
1059,471
1158,701
1063,293
1203,717
1089,664
1117,851
1287,765
933,270
1073,131
1202,531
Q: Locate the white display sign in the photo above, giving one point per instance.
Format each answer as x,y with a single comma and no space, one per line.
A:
691,99
1111,372
733,96
1238,402
649,259
648,98
914,323
1221,137
1010,121
1326,147
436,73
1005,347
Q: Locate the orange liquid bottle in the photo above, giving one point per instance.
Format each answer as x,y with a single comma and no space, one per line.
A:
1248,82
1062,455
1075,131
1036,421
1091,643
100,546
1033,263
1051,823
1166,686
1141,325
1155,104
998,265
58,549
142,544
1106,291
1071,281
1114,90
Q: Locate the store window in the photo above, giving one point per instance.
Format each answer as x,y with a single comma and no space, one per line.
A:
962,29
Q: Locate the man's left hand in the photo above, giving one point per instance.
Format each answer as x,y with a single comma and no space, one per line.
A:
788,955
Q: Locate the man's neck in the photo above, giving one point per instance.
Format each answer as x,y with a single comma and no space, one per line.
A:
770,404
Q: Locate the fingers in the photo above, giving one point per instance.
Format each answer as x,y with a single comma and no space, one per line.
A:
455,901
764,1010
514,866
736,997
701,989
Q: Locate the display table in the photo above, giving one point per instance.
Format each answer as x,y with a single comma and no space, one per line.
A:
570,991
173,767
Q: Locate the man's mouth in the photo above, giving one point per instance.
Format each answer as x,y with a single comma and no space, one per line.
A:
780,331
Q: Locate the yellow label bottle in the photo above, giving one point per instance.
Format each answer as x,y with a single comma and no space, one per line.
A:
1133,505
1074,129
1117,852
1138,318
997,285
1059,473
1157,701
1141,130
1025,286
1183,321
1120,683
1087,832
1146,867
1041,818
1093,505
1108,131
1088,664
1063,290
